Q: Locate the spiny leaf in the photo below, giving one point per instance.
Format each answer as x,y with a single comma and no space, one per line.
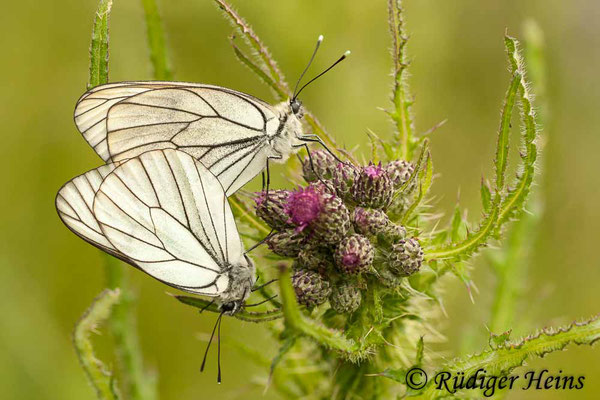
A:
157,42
99,46
99,376
425,180
502,360
513,204
486,195
283,350
401,115
267,63
472,242
258,71
504,132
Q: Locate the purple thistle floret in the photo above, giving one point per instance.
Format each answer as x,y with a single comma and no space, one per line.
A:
374,171
304,206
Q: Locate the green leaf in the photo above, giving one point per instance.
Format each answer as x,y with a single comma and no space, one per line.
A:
420,351
280,94
486,195
512,205
99,376
99,46
283,350
496,341
502,360
456,225
504,132
402,101
157,42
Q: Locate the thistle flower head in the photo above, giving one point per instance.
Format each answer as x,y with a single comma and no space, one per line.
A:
304,206
406,257
286,243
272,208
399,172
311,287
354,254
333,223
343,177
345,298
322,166
315,258
373,187
369,222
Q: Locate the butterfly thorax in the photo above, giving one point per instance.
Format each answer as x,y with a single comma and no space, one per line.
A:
241,280
286,140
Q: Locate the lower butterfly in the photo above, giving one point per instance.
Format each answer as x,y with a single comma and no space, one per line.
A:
166,214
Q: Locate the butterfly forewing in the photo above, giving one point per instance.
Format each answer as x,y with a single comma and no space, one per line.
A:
169,214
227,131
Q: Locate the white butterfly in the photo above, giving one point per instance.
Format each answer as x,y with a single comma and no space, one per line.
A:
166,214
233,134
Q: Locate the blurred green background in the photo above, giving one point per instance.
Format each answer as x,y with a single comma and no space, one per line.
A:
48,276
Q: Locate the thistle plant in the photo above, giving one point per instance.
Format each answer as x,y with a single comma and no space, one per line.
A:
357,252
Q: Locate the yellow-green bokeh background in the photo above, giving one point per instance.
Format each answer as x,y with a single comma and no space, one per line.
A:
48,276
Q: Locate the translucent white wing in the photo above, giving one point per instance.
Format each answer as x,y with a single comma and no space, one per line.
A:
226,130
169,214
74,203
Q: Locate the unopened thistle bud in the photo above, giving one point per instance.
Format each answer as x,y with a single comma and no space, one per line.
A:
315,258
287,243
323,164
406,257
373,187
354,255
370,222
311,287
343,177
399,172
395,232
345,298
271,209
333,222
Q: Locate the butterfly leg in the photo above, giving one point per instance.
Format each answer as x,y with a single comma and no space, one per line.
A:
259,242
316,139
312,166
271,157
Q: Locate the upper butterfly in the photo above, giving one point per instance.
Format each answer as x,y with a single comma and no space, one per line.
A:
233,134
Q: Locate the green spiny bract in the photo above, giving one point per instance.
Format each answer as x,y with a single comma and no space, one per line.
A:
345,298
310,286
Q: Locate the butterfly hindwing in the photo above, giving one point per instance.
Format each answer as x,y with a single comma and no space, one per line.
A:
169,215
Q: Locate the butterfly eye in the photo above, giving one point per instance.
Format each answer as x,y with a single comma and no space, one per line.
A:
296,106
228,307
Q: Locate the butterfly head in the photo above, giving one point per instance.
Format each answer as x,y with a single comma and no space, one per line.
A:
242,276
296,108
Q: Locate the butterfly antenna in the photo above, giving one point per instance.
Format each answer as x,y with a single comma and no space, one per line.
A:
209,342
342,58
319,41
219,349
